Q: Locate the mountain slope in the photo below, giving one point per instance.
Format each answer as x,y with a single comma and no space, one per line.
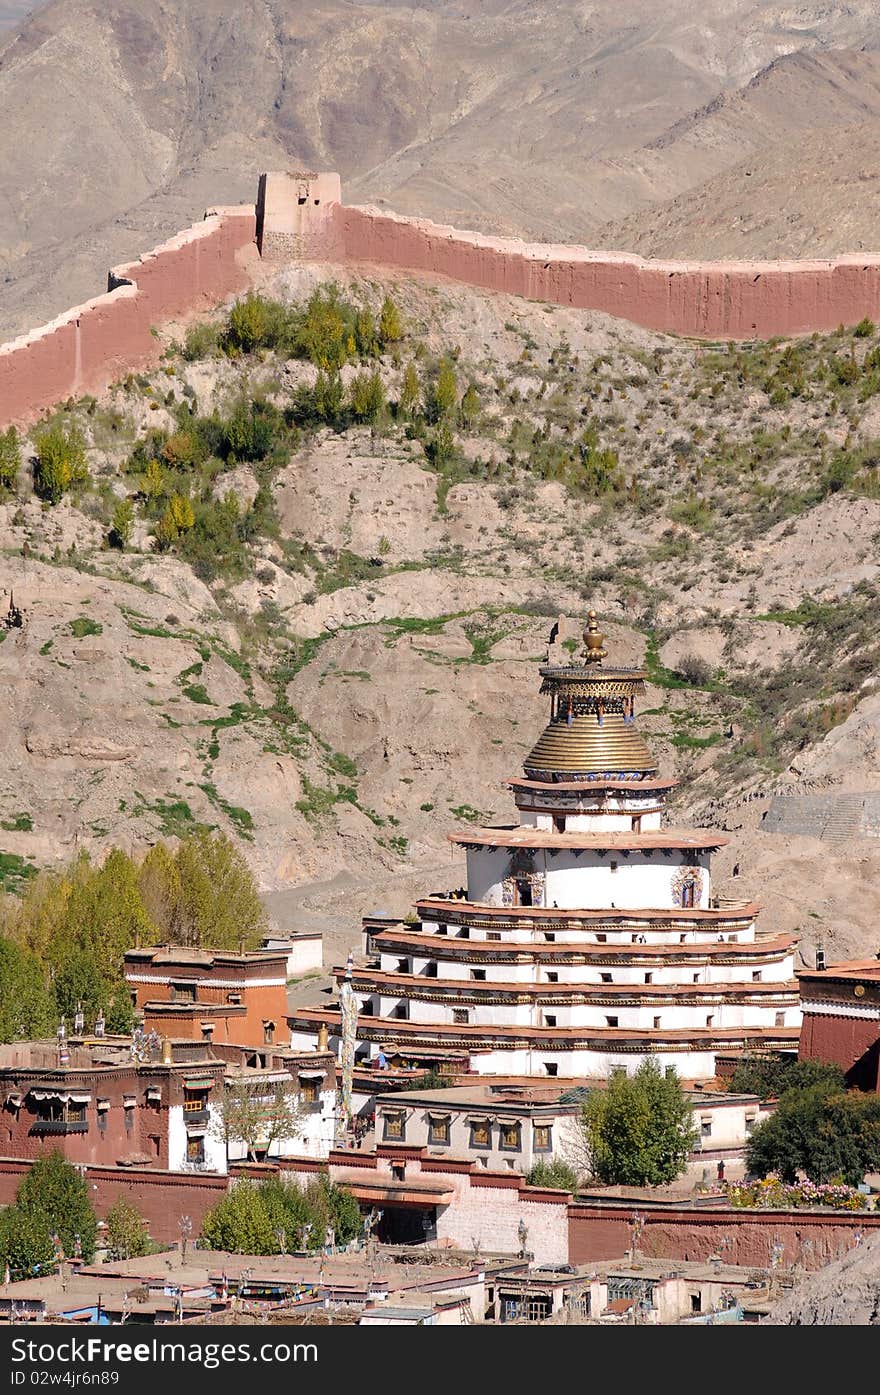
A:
557,119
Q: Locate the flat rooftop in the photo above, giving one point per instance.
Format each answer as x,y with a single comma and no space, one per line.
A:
518,836
851,970
522,1094
101,1054
200,958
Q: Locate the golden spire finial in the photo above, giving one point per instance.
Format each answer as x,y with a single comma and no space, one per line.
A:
594,651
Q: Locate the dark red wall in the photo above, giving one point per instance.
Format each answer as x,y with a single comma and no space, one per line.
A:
604,1233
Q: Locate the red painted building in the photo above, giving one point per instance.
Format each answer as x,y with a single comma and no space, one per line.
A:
841,1019
100,1106
209,995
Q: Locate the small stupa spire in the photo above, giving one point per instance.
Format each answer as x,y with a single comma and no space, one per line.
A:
594,650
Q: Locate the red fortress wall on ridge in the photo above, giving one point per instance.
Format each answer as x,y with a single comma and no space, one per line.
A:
299,217
93,344
710,300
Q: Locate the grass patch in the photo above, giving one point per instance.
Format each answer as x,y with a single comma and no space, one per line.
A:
83,625
240,818
19,823
196,692
15,872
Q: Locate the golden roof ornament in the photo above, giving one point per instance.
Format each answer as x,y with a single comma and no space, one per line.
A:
594,651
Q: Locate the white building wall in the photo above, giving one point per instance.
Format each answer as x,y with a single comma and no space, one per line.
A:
588,881
604,822
314,1141
696,1064
305,952
215,1148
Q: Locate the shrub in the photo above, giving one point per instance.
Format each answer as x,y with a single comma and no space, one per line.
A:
410,391
441,447
259,1219
122,525
555,1173
443,394
694,671
183,451
325,330
178,518
469,406
253,323
60,461
126,1236
390,329
365,335
10,458
367,397
201,341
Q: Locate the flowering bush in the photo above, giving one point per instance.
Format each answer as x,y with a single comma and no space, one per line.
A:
772,1192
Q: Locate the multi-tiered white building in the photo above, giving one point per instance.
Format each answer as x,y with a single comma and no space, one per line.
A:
590,936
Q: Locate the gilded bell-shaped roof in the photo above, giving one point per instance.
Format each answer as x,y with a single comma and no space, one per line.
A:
591,746
592,728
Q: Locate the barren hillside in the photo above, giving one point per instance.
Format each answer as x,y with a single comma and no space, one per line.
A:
845,1293
337,661
604,123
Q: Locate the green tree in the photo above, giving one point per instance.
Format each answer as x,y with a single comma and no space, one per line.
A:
367,397
555,1173
639,1130
390,328
771,1075
54,1193
160,892
80,982
203,895
126,1234
469,407
10,458
410,391
326,330
122,525
25,1244
441,447
60,461
254,323
153,485
104,915
443,395
26,1005
241,1223
76,925
821,1131
365,336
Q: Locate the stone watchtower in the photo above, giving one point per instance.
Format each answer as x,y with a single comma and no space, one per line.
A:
298,216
